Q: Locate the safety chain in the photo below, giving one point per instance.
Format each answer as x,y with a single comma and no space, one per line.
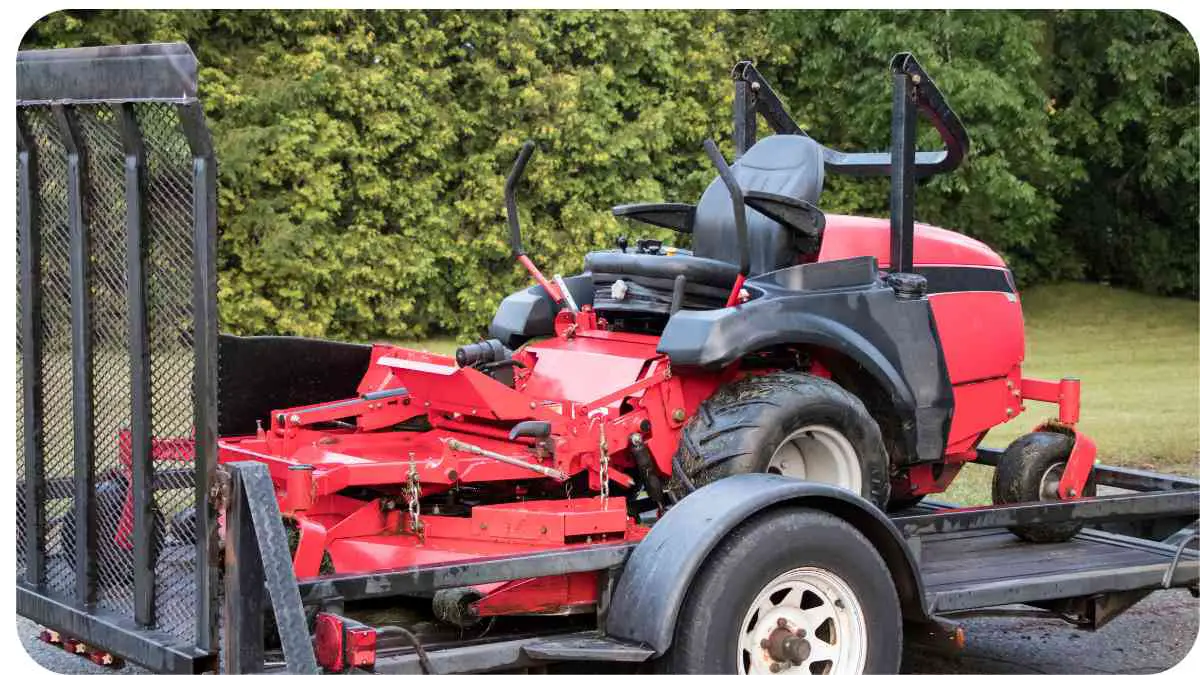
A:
603,464
414,497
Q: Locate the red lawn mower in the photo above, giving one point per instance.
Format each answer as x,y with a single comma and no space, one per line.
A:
858,352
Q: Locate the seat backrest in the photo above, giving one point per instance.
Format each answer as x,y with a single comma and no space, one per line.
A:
783,164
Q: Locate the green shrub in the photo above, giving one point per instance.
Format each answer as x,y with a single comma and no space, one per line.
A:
362,154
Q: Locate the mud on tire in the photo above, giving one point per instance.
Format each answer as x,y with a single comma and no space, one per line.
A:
1027,472
739,428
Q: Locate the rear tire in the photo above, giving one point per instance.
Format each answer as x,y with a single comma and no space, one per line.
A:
794,424
789,569
1028,471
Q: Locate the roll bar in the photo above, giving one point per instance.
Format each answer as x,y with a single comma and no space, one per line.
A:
753,94
913,92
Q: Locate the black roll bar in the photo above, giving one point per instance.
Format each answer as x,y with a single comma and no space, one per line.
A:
753,94
913,92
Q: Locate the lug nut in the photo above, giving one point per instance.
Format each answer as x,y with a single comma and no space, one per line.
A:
781,622
764,643
776,667
800,632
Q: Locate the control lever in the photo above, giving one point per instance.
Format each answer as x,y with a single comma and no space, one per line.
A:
566,293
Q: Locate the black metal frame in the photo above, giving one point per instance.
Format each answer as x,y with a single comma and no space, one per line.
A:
1097,596
257,561
913,92
61,81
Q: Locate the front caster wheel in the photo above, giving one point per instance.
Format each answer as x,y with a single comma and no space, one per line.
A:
791,591
1029,471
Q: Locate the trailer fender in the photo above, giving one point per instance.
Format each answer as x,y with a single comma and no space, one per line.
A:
656,578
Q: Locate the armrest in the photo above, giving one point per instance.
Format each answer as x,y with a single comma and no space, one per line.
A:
788,211
678,217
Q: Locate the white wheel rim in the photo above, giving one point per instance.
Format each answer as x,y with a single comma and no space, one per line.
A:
818,453
806,621
1048,486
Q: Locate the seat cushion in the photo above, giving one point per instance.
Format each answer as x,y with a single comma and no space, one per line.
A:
705,271
649,281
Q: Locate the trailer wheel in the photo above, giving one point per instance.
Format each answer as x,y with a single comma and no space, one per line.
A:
789,591
793,424
1029,471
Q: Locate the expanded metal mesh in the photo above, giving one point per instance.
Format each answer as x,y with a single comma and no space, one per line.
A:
20,399
57,399
106,213
165,195
170,303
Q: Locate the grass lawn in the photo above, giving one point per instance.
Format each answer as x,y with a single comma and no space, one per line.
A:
1138,357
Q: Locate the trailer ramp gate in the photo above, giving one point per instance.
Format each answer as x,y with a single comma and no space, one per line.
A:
117,349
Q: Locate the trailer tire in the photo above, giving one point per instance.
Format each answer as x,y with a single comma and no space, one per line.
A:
1027,472
744,426
820,560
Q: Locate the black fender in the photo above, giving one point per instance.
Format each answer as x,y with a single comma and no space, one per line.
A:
656,578
895,340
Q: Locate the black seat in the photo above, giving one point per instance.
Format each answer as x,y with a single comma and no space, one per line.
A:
781,178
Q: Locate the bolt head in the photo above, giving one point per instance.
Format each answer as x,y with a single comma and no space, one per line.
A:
755,86
781,622
764,643
1071,492
839,604
776,667
295,419
678,415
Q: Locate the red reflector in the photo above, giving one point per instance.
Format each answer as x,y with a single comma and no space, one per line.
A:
360,647
329,642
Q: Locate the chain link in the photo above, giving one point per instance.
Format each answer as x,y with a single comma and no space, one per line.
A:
414,496
603,464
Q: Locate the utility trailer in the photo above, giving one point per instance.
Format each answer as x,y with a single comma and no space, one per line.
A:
135,544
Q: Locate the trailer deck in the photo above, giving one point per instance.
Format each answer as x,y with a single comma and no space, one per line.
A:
987,568
967,567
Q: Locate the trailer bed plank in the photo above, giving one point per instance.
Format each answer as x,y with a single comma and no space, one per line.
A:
995,567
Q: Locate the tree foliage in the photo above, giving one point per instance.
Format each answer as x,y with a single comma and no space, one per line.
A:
362,153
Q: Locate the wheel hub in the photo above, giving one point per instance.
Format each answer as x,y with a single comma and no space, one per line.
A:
819,453
788,647
804,621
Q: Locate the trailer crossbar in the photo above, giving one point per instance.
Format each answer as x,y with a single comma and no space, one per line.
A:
1091,510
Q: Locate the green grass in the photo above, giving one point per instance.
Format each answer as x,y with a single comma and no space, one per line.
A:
1138,357
437,345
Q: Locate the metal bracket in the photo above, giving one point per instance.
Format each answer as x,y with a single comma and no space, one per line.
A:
257,559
